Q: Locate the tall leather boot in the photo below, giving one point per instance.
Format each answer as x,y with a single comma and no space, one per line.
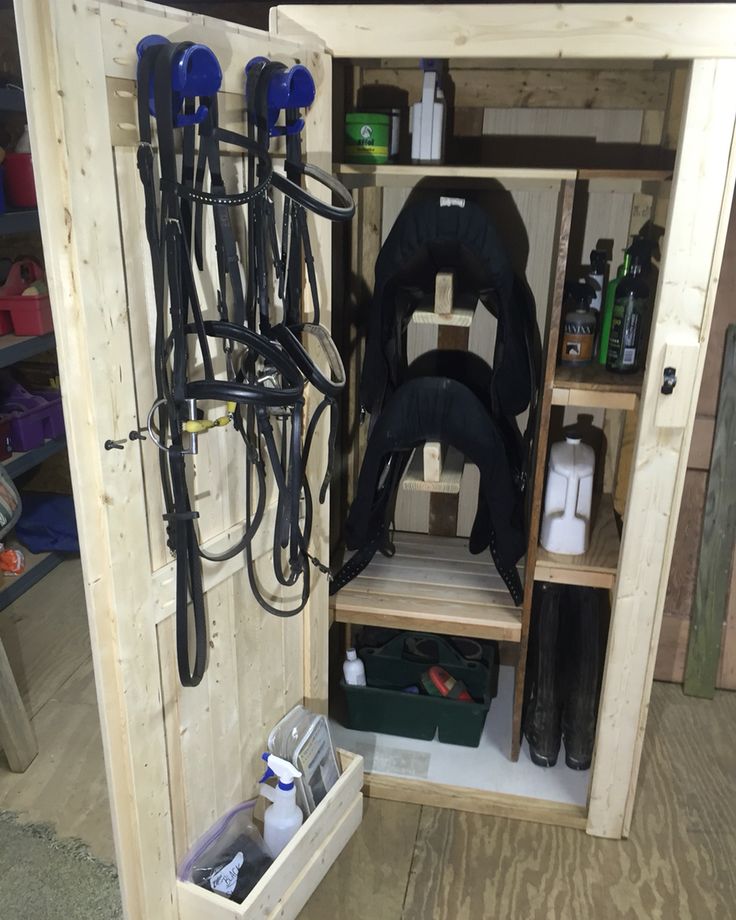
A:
543,704
582,667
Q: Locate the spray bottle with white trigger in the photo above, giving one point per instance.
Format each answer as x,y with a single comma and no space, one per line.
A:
284,818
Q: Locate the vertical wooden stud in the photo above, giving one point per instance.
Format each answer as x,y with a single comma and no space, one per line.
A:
698,219
536,479
443,293
16,733
318,129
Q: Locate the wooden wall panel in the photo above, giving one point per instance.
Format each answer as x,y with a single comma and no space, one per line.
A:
678,605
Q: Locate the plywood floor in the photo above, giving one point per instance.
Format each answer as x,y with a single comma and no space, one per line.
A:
408,862
47,640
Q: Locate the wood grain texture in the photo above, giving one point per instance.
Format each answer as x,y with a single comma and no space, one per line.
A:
449,477
65,785
683,571
17,739
431,584
595,378
678,863
717,541
596,567
158,766
46,641
539,88
593,399
391,175
672,649
692,251
541,435
478,801
613,431
625,457
299,867
701,444
724,313
369,879
462,317
444,297
515,30
727,675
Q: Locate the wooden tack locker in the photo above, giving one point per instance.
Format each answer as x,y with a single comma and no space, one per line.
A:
178,758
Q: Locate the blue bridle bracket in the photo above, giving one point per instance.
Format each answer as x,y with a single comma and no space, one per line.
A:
291,88
195,72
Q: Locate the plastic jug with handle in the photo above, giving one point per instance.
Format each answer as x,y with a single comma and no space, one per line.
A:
569,497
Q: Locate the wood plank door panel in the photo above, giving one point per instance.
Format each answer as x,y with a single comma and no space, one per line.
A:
176,757
692,251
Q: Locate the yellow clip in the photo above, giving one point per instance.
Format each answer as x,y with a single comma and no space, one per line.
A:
199,426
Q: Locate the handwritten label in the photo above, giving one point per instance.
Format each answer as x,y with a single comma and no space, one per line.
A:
225,879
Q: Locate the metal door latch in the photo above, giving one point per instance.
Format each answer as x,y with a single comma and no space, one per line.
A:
669,380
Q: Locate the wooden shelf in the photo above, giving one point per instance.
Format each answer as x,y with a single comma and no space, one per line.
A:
26,460
431,584
597,567
595,387
37,567
450,478
365,175
14,348
643,175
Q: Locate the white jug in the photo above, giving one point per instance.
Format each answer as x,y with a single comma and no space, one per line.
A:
568,500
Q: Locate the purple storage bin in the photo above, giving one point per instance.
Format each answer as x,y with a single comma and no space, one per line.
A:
34,417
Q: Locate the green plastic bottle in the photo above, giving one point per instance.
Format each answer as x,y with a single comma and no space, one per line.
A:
607,313
629,318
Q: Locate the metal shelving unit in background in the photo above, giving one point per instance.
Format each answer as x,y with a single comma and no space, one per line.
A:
15,348
23,221
12,99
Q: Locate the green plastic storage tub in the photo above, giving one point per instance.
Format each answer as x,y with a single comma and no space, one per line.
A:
367,137
383,706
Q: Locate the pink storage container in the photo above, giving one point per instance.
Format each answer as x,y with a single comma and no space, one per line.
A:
30,315
19,185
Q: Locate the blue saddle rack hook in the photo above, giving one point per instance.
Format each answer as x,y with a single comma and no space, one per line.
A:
195,72
291,88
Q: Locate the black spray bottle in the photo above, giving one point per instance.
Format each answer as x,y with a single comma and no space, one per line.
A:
630,321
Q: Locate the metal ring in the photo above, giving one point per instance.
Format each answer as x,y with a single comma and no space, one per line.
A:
152,433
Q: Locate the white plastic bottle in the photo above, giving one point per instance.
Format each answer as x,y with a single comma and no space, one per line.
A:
353,669
284,817
569,497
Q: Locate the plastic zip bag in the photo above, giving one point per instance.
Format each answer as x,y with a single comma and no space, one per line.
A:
230,857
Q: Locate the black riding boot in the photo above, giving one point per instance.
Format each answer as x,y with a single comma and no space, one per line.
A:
542,726
582,667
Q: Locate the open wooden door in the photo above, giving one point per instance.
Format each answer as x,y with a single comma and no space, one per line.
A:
176,758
